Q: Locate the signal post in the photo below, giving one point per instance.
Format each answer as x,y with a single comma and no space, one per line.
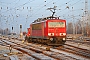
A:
21,35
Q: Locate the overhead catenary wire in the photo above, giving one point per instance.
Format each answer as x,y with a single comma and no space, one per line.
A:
18,6
38,10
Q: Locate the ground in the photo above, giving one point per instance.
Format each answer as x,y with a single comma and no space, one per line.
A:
14,55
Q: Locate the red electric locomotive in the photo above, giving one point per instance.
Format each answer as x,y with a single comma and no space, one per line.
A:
50,31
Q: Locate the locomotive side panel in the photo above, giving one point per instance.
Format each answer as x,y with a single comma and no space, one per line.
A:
37,30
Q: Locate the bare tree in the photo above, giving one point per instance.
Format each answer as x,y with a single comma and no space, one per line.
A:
1,31
70,28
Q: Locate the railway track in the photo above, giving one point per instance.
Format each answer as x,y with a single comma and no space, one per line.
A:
30,51
87,42
75,50
54,53
38,51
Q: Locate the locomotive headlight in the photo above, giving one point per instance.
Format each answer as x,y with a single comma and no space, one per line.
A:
64,33
61,34
50,34
63,38
51,39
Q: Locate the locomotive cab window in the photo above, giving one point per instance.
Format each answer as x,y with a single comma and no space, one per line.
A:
56,24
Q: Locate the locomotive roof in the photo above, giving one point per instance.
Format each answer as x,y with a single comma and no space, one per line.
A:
44,19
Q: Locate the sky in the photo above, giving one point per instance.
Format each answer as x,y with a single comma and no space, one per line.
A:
14,13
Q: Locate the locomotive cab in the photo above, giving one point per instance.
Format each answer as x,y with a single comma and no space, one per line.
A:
56,31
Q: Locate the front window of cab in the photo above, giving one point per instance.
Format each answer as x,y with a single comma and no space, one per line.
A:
56,24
